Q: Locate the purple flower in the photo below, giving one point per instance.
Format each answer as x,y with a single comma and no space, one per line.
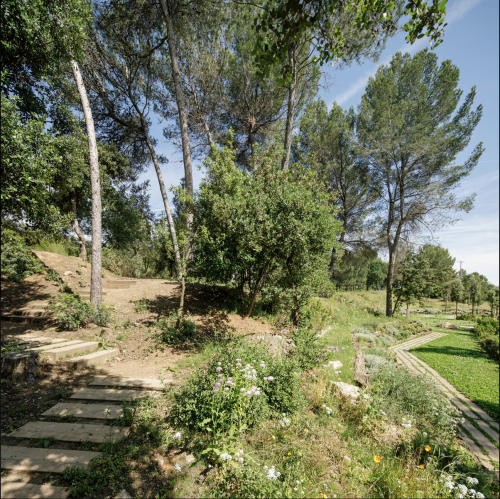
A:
215,391
230,378
218,369
238,360
238,365
226,389
242,389
270,378
265,379
217,385
254,388
232,370
248,393
257,393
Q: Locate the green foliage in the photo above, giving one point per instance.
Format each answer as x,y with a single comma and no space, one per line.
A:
441,263
73,312
197,408
17,260
486,331
467,316
402,393
307,352
268,223
172,333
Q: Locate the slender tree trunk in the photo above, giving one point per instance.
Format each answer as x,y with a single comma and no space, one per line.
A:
79,233
181,107
96,275
259,284
291,104
390,279
456,310
166,204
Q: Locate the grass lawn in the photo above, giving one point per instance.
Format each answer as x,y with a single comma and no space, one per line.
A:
458,358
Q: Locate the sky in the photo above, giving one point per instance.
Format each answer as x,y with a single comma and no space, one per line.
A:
471,42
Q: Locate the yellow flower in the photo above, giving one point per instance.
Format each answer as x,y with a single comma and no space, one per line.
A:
289,453
298,453
273,437
376,459
421,466
427,448
306,430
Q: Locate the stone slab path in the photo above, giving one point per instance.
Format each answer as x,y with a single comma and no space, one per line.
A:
57,460
487,424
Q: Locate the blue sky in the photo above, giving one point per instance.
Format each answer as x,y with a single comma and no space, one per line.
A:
471,42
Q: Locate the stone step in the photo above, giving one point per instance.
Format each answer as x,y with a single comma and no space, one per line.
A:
37,304
110,394
151,383
44,460
59,353
36,312
53,346
90,411
20,490
130,282
70,432
35,342
22,318
92,359
86,292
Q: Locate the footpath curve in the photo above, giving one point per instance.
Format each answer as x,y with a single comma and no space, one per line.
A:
470,410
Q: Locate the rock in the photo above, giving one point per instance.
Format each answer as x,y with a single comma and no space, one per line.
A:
123,494
447,325
345,389
68,272
105,330
335,364
276,344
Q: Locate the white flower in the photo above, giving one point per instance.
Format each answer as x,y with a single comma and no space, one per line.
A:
459,496
424,434
449,485
462,489
472,481
178,468
219,363
479,495
472,492
226,457
408,425
285,422
347,458
241,460
272,474
382,412
177,436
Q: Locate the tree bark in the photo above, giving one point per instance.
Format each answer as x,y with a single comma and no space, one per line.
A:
390,279
79,233
96,275
291,104
259,284
181,107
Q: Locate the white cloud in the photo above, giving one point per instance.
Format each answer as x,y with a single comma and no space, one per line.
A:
454,14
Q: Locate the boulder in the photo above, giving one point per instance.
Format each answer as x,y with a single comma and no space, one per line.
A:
447,325
68,272
123,494
275,343
345,389
335,364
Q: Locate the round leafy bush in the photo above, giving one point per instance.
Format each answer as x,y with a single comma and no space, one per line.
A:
373,362
73,312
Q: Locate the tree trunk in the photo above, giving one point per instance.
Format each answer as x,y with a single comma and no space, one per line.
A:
170,220
181,107
96,276
456,310
79,233
291,104
259,284
390,279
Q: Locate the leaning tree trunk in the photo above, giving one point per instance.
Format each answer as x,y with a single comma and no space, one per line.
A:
291,104
181,107
96,276
79,233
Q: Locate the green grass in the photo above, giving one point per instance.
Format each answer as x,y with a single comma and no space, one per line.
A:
459,359
65,248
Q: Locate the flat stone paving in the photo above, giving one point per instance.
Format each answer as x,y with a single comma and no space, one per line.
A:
43,460
89,411
152,383
470,409
110,394
70,432
20,490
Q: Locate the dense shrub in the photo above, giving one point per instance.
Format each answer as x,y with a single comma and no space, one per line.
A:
244,398
401,393
308,352
467,316
72,312
486,331
170,333
373,362
17,260
432,311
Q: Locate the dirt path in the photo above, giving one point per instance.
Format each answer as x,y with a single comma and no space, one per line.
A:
473,412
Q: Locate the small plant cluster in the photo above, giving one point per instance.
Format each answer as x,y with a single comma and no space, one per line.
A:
172,331
468,316
486,331
73,312
17,260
